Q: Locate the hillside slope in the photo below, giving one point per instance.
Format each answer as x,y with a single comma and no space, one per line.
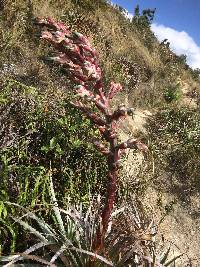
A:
40,130
129,52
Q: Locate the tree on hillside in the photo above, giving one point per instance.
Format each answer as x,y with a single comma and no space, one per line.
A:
145,18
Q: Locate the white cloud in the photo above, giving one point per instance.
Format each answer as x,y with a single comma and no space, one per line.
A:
180,42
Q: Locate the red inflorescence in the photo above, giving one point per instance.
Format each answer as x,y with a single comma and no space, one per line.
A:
76,54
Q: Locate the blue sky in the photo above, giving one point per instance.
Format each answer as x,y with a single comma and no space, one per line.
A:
176,20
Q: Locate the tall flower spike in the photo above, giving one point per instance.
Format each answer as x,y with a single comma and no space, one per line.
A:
76,54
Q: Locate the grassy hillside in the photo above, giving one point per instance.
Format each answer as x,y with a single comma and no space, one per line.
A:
125,49
41,130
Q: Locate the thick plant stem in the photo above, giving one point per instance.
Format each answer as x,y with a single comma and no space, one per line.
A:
111,195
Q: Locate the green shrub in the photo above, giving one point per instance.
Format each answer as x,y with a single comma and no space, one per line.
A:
172,93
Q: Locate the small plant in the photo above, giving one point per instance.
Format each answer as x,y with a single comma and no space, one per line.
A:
172,94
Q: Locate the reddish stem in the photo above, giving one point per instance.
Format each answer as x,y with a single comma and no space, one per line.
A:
111,194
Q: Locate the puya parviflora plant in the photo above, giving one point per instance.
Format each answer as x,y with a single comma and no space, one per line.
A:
77,56
68,242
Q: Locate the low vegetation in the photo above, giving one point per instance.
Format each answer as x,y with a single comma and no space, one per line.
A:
175,137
